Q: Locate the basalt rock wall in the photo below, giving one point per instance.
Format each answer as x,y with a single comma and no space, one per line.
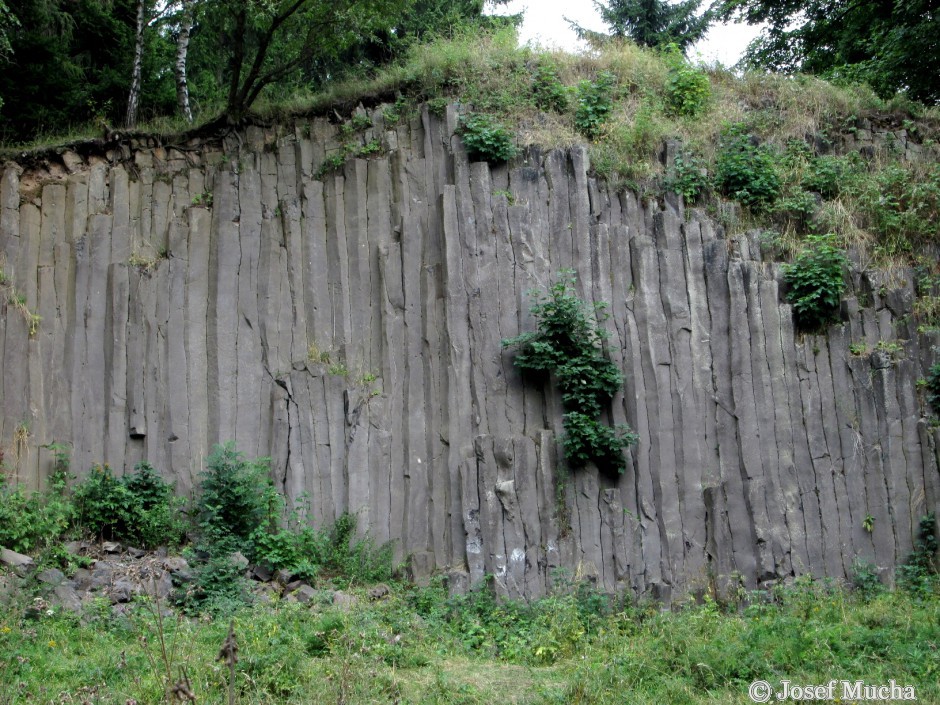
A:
348,325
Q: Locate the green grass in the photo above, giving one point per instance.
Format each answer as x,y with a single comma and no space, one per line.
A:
419,646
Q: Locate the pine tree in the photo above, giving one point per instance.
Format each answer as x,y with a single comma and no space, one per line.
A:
651,23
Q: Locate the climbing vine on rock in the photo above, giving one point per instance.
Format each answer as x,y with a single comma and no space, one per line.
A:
568,345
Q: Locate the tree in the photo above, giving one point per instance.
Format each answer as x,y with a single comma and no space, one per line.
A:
893,45
182,53
8,22
651,23
70,62
264,42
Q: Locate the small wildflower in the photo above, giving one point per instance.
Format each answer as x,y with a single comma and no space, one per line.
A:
52,643
6,629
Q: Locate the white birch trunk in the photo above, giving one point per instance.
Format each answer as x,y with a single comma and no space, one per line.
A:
134,97
182,50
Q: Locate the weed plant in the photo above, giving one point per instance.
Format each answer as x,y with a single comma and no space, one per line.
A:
569,345
816,282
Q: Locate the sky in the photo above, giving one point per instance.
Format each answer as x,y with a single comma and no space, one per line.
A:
544,24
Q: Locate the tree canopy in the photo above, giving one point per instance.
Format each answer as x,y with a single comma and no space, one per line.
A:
69,62
651,23
893,45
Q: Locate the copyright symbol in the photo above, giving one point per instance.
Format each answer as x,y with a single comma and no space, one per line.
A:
760,691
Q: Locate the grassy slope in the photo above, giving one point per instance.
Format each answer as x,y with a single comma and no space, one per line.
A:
561,651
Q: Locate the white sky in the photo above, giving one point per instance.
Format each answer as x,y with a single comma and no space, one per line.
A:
544,24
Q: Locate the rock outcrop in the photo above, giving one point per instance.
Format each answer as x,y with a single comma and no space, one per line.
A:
349,327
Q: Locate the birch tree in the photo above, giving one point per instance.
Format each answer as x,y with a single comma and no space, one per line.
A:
182,51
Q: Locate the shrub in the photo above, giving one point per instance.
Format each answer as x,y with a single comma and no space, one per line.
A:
235,497
103,504
919,573
31,522
138,508
486,139
687,176
902,204
933,387
595,101
745,171
865,579
687,88
548,90
816,283
568,344
823,176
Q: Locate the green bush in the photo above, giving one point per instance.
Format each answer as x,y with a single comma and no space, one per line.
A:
568,344
33,521
486,139
235,498
745,171
139,508
933,387
823,175
687,176
688,89
815,283
919,573
595,102
901,203
547,89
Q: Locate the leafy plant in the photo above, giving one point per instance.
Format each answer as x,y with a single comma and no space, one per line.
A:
815,282
688,176
824,174
595,102
688,89
919,573
332,163
865,579
138,508
203,199
235,497
34,521
744,170
547,89
933,387
486,138
568,344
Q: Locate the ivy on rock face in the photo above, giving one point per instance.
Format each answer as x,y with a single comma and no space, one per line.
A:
568,344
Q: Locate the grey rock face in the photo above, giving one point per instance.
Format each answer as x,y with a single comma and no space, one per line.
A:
761,451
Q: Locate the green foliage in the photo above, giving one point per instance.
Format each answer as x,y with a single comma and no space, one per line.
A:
588,440
919,573
865,579
823,175
331,164
688,89
745,171
595,102
652,23
235,497
933,388
203,200
688,176
888,45
902,203
485,138
139,508
549,92
32,522
568,344
815,283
